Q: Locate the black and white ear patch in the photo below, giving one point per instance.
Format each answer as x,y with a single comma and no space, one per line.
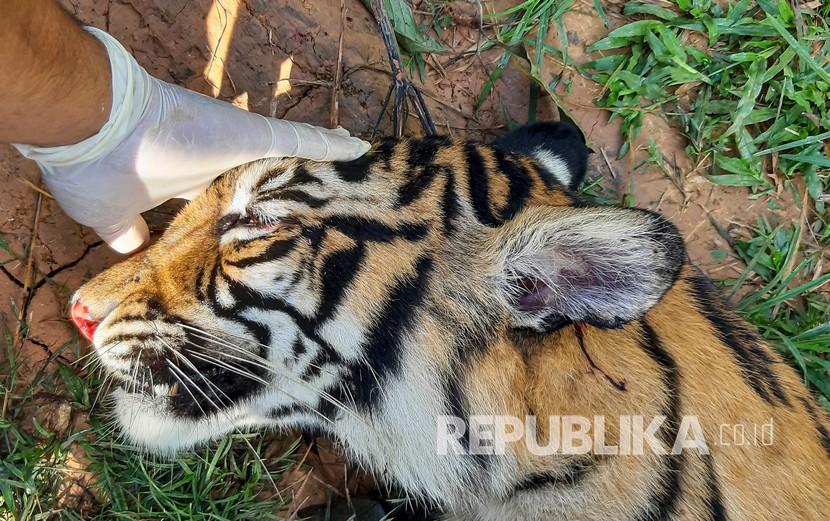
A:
602,265
558,146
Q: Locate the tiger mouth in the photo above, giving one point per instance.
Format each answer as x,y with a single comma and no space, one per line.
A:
131,385
187,381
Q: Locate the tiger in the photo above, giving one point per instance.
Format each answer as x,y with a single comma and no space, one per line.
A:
436,291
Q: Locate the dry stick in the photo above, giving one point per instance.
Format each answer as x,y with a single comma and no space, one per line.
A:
438,66
299,491
402,89
607,163
336,491
36,188
17,343
30,261
296,494
216,49
299,81
338,71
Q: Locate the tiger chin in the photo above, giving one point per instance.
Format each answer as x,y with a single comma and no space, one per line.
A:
439,279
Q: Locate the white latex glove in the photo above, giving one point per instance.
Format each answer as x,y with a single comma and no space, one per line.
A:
162,141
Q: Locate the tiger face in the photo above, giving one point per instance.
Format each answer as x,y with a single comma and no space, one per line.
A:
302,293
436,279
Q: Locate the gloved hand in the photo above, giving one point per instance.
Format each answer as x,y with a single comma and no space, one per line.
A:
162,141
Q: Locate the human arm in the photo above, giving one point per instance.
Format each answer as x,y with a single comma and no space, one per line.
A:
157,140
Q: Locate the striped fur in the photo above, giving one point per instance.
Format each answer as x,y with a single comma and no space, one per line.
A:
437,277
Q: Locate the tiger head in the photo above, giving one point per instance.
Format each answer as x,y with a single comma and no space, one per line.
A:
358,298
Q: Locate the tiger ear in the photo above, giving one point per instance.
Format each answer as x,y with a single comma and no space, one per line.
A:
558,147
604,266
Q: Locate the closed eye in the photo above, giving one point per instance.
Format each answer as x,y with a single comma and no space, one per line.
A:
236,220
233,228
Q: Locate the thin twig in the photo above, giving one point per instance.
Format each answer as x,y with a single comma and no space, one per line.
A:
338,71
27,278
607,162
401,89
36,188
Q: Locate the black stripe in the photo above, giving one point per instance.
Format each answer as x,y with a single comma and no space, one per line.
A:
450,207
412,190
201,282
276,250
421,162
240,294
662,504
301,176
314,367
314,238
464,348
357,171
717,511
457,407
753,358
569,476
519,181
821,429
267,177
479,186
298,348
360,229
299,196
282,411
336,275
247,298
383,351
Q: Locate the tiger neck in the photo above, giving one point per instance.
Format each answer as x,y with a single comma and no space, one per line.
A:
398,439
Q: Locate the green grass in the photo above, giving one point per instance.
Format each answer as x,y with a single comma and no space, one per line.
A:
756,80
760,94
785,307
759,118
227,480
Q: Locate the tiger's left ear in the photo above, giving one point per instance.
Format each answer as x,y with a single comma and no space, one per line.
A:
603,266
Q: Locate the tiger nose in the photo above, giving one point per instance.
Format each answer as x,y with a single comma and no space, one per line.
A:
85,324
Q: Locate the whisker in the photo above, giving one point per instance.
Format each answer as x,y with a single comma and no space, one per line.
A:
227,416
175,370
78,360
217,339
208,382
323,394
100,355
297,400
105,384
267,365
234,369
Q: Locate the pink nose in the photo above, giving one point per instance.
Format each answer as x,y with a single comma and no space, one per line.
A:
85,324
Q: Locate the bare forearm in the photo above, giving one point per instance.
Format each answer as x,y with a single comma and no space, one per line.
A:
56,76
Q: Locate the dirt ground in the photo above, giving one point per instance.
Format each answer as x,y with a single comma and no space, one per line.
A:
278,57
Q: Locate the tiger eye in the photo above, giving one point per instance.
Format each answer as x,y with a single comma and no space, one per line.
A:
227,223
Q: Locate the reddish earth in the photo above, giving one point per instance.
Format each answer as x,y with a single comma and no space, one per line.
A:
240,51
